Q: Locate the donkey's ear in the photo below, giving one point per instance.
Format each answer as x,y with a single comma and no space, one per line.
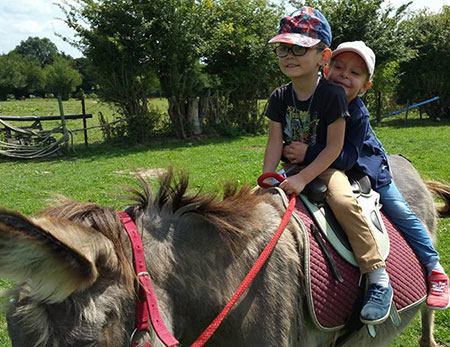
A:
56,257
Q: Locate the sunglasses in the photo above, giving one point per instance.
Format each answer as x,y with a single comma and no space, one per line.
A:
283,50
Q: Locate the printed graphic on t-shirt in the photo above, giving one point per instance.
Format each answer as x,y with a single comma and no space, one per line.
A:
312,130
299,127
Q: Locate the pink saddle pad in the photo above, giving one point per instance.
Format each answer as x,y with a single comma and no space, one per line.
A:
330,302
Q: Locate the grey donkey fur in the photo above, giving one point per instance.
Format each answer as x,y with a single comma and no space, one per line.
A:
76,288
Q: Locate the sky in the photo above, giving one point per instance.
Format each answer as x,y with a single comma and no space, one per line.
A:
24,18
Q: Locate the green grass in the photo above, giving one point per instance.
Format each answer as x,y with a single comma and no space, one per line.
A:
49,107
99,172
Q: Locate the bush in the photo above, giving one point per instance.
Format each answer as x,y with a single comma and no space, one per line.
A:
61,78
141,129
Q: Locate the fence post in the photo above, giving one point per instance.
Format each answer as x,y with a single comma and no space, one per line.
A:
61,112
83,110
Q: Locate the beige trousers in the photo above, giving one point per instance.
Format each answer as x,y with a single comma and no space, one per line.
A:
349,214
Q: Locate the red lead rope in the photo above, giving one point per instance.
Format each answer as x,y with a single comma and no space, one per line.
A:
204,337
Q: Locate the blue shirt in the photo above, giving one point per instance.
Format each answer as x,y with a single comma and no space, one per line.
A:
361,149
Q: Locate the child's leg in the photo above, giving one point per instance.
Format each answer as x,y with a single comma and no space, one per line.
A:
399,212
349,214
347,211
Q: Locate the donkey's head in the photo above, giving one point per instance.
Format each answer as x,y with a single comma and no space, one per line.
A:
73,266
75,284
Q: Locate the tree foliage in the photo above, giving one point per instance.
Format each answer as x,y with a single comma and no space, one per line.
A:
426,75
188,45
19,76
129,42
87,71
236,53
11,76
370,21
42,49
174,39
61,78
217,48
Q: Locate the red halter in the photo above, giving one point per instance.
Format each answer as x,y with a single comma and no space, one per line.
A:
146,301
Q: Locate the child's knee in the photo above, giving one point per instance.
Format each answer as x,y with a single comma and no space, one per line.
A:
398,209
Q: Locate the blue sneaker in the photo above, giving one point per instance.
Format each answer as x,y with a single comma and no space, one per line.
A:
377,304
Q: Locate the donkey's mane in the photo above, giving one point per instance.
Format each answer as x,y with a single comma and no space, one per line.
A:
231,215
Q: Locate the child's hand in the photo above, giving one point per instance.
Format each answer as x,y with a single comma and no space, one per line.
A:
294,184
295,152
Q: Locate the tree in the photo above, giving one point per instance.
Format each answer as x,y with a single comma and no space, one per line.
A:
19,76
61,78
33,75
174,40
386,81
114,42
87,71
129,42
11,76
425,75
237,54
187,44
43,50
369,21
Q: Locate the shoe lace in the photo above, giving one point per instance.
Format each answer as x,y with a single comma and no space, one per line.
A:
375,294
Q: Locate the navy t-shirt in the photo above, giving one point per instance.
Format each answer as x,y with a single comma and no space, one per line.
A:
361,149
372,158
327,104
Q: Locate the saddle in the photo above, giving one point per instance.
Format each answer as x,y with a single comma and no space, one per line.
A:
333,280
369,200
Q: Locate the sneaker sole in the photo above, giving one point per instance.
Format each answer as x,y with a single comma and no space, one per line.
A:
437,308
382,319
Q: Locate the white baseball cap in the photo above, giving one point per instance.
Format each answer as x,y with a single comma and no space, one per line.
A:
359,48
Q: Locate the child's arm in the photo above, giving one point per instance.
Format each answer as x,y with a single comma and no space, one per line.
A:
335,140
274,147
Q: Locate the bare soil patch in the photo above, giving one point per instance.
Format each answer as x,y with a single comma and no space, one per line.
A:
145,173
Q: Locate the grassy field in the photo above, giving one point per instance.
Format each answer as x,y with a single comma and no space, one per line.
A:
99,172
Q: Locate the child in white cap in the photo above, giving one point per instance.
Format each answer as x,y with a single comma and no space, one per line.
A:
372,160
352,67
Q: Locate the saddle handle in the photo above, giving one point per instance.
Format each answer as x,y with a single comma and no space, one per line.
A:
265,175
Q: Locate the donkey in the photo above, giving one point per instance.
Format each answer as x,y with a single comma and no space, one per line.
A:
76,287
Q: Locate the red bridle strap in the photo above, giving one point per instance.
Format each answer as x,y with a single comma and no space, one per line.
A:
146,302
204,337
